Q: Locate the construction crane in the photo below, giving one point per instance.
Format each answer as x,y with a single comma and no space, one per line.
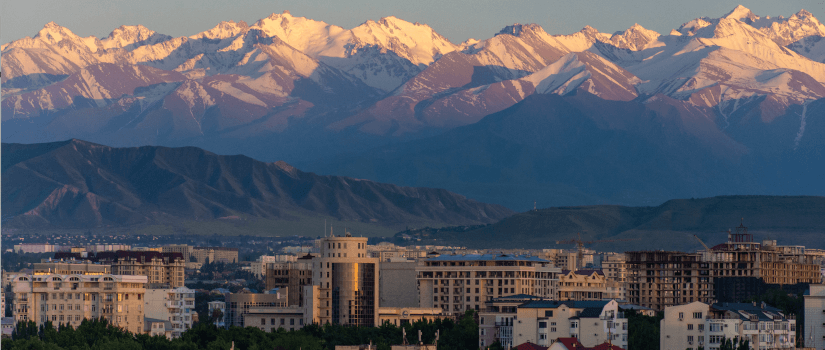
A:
580,246
702,243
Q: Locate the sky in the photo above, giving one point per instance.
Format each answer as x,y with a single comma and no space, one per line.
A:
457,20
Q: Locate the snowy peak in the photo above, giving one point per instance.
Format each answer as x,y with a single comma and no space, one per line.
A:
131,36
588,72
634,38
691,27
224,30
793,29
743,14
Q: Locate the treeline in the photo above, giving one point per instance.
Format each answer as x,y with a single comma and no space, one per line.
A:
100,335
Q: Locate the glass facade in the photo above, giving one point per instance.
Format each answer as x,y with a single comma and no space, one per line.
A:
353,294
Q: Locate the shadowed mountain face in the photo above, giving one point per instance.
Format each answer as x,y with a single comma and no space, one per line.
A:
77,184
791,220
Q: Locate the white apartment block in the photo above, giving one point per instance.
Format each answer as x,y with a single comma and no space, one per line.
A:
591,322
815,317
72,298
456,283
698,324
176,305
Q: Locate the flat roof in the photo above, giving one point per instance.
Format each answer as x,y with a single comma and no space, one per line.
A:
487,257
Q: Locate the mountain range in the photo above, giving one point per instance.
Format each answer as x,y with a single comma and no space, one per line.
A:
81,185
721,105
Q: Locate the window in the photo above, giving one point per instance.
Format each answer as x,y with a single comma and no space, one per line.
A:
263,321
697,315
548,313
681,315
291,321
542,324
690,326
690,339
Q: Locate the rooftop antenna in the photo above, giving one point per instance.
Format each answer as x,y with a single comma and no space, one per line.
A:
325,228
534,205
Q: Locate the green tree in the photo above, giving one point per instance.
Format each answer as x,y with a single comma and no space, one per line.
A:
643,331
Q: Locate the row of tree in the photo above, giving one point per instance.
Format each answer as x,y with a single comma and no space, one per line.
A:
99,334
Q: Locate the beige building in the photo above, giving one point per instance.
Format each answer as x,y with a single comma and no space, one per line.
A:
176,305
157,327
615,267
659,279
815,315
347,281
588,285
496,319
71,298
456,283
159,268
215,254
397,284
269,319
71,268
238,304
697,324
592,322
293,275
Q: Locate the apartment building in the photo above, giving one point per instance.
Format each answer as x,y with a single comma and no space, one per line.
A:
615,267
697,324
496,319
658,279
291,274
225,255
588,285
258,267
159,268
740,256
456,283
176,305
72,298
591,322
814,330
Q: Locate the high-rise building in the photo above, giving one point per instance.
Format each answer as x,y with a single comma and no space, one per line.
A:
457,283
347,281
658,279
68,299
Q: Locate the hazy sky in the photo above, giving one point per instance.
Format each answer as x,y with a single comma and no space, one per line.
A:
458,20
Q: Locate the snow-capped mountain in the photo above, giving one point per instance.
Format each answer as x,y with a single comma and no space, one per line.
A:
294,76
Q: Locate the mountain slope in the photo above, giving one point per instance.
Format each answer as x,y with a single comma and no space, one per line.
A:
76,184
791,220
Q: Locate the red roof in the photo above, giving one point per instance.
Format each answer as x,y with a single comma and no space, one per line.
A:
573,344
530,346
